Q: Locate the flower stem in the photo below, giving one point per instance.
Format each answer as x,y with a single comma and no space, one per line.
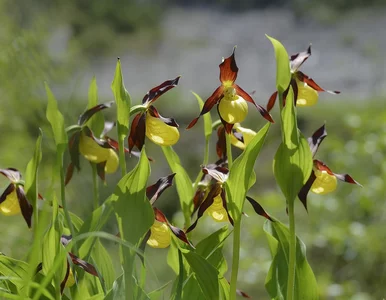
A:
229,150
235,258
95,185
292,252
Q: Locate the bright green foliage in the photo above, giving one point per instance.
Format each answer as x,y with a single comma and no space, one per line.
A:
123,101
276,282
183,182
96,122
239,183
283,74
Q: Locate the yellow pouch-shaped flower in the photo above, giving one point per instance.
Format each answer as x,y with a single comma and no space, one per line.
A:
10,206
217,210
92,151
248,135
324,183
159,235
307,96
159,132
233,110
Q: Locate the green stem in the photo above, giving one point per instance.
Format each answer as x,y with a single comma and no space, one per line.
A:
63,195
235,258
95,185
292,252
180,283
122,159
229,150
204,163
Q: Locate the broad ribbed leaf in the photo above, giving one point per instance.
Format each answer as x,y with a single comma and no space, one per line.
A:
96,122
240,174
102,260
183,182
276,282
118,290
123,101
30,186
55,117
206,275
283,73
16,270
292,164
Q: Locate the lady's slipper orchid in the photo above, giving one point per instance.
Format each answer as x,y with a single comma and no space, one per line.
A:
13,201
231,99
240,138
102,152
322,180
305,88
159,235
161,131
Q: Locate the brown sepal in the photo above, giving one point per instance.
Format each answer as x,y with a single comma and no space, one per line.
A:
296,60
69,173
84,117
168,121
63,283
317,138
137,132
73,148
259,209
228,68
25,207
89,268
224,204
159,90
305,189
154,191
100,167
271,101
221,143
10,188
304,78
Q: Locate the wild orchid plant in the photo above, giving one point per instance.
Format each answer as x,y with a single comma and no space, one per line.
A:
62,240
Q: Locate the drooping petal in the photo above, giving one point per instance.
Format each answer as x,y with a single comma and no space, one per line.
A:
311,83
305,189
233,111
159,235
159,90
228,70
69,173
25,207
317,138
154,191
137,132
12,174
89,268
9,204
243,94
84,117
271,101
221,142
67,281
208,105
161,133
259,209
73,148
198,198
347,178
296,60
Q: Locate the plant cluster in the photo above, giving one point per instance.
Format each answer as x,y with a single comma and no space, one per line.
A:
68,260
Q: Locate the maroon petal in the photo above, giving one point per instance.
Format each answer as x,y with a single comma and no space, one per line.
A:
157,91
214,191
305,189
154,191
208,105
63,283
228,68
142,246
115,145
73,148
248,98
25,206
304,78
169,121
101,170
10,188
271,101
221,149
317,138
69,173
258,208
224,204
12,174
321,166
197,200
89,268
228,127
296,60
179,233
347,178
83,118
137,132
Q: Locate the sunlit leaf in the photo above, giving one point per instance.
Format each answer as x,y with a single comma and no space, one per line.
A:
240,173
103,262
276,282
96,122
283,73
183,182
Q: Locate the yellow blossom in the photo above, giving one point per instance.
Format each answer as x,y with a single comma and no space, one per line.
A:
159,236
217,210
307,96
248,135
161,133
324,182
10,206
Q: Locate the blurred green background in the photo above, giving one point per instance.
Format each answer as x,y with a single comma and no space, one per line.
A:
67,42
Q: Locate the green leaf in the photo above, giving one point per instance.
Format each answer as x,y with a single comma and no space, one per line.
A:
103,263
276,282
192,290
16,270
207,118
283,72
292,164
123,101
30,185
118,290
240,173
183,182
96,122
225,289
56,120
206,275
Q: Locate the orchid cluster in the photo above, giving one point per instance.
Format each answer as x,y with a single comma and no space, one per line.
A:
219,192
